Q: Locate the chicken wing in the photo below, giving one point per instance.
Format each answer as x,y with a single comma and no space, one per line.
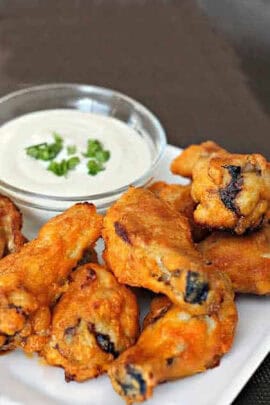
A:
11,238
148,244
95,320
31,279
184,163
232,191
174,343
179,197
246,259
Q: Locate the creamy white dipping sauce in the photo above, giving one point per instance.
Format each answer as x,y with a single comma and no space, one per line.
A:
130,154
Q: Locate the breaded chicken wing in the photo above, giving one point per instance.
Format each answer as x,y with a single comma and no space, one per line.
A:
31,280
245,259
232,191
148,244
11,238
184,163
174,343
95,320
179,197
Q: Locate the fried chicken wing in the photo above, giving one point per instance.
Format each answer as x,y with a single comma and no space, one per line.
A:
174,343
11,238
148,244
95,320
246,259
184,163
31,279
232,191
179,197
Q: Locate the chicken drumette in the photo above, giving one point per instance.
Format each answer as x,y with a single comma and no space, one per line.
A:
95,320
148,244
231,191
245,259
31,280
174,343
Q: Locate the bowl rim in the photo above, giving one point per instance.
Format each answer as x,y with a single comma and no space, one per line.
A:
102,90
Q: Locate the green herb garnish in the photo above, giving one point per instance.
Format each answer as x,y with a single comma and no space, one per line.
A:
46,151
62,168
94,167
95,152
93,146
98,156
103,155
71,150
73,162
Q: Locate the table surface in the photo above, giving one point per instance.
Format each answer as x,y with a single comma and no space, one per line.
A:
202,66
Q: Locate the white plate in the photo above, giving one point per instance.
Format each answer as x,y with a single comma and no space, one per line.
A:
25,381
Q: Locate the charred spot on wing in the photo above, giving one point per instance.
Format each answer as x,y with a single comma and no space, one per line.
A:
176,273
18,309
122,232
196,288
91,276
70,331
69,377
106,344
8,343
169,361
214,361
229,193
103,341
164,278
135,384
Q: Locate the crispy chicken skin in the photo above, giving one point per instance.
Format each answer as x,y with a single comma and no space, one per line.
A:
95,320
245,259
184,163
11,238
179,197
174,343
31,280
148,244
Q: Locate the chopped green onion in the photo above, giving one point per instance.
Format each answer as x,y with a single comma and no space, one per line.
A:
46,151
94,167
62,168
93,146
98,154
58,138
71,149
103,155
73,162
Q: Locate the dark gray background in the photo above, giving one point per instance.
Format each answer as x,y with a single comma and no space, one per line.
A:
202,66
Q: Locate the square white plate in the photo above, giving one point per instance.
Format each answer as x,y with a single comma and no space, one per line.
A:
24,380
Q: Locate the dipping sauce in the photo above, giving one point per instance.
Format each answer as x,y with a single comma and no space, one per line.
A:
130,153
